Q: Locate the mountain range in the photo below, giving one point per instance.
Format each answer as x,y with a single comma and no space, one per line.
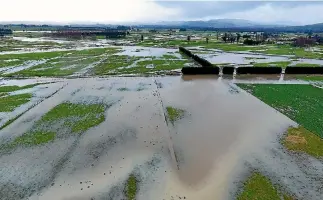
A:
221,24
239,24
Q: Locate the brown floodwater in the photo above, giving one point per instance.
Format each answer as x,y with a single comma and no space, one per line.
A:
197,157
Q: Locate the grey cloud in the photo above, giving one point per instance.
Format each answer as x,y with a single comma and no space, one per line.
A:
204,9
200,9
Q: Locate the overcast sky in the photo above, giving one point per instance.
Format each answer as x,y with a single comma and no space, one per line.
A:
116,11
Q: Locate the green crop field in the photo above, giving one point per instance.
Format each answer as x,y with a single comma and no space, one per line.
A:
282,64
9,103
306,65
73,118
258,187
302,103
309,78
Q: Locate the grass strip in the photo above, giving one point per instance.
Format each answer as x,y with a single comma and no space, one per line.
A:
131,187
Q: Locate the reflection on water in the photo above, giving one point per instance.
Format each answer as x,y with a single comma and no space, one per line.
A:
222,127
246,78
147,51
237,58
248,58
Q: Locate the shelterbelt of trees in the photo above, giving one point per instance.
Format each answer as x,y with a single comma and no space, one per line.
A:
5,31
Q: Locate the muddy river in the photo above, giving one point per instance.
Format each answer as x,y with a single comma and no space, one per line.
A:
223,135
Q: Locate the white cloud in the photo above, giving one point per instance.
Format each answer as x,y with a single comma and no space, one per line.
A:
84,11
305,14
114,11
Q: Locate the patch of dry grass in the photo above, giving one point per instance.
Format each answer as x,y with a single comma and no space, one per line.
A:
300,139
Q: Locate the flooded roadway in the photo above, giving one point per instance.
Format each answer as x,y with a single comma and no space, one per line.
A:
225,132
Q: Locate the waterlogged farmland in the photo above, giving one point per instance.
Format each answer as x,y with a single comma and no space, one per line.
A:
95,118
98,61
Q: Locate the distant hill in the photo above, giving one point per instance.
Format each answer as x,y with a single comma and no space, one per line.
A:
312,27
234,25
218,23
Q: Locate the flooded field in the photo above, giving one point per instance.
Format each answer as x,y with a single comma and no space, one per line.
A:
159,131
238,59
93,61
57,57
103,119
